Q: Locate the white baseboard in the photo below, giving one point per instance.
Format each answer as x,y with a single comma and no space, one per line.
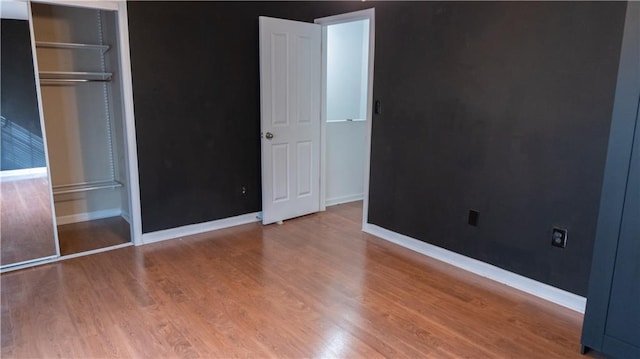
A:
24,174
528,285
27,264
344,199
88,216
126,216
192,229
94,251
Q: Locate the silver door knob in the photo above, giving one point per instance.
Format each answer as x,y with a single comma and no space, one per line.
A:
269,135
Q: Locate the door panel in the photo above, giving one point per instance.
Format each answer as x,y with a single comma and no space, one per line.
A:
290,86
280,162
279,89
305,70
305,172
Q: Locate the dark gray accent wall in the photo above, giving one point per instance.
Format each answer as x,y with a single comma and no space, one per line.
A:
197,105
22,145
499,107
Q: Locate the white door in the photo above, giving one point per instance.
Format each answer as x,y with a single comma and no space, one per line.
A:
290,86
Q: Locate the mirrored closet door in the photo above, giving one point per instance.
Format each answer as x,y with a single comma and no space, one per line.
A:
26,217
80,82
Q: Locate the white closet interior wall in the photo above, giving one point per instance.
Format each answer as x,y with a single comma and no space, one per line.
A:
110,36
83,119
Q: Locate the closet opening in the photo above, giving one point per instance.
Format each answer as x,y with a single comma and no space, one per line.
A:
82,99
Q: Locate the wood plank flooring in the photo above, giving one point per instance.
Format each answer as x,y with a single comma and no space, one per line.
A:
95,234
26,224
315,286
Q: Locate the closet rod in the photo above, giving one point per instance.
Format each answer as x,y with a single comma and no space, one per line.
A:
71,46
75,75
85,186
67,81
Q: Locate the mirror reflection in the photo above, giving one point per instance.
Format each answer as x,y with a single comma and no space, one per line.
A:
26,221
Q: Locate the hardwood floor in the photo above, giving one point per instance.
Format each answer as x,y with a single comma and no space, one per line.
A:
26,226
95,234
315,286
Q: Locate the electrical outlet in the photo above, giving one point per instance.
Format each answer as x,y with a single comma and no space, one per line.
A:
559,237
473,217
377,109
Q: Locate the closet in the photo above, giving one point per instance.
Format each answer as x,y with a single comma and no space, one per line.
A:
82,100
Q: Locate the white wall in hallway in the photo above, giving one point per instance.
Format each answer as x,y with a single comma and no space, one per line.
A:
347,74
345,161
347,59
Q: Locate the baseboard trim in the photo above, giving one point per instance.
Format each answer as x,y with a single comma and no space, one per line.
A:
94,251
88,216
198,228
528,285
27,264
23,174
344,199
126,216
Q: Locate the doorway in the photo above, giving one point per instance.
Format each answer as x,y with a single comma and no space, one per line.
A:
346,75
347,89
295,116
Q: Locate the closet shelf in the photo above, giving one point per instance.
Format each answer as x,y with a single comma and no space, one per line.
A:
85,186
71,46
73,76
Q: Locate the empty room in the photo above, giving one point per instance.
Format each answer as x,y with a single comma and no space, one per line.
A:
312,179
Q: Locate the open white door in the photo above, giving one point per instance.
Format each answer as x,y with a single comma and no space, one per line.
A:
290,84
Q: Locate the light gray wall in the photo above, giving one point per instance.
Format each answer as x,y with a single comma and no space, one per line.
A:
345,161
346,70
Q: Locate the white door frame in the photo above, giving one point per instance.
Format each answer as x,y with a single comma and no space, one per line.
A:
332,20
131,147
